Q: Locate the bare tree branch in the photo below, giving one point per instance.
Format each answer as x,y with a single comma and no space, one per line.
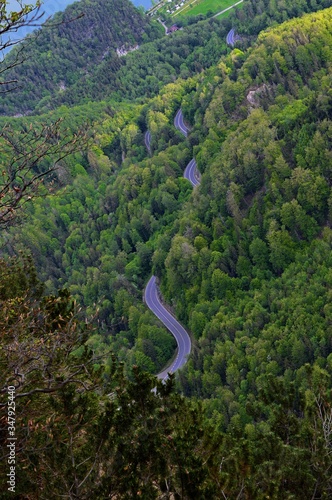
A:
28,157
29,16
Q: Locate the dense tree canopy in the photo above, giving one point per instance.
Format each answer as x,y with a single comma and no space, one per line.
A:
244,260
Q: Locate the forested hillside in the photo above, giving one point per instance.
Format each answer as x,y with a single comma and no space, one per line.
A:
97,236
93,69
81,38
244,260
100,237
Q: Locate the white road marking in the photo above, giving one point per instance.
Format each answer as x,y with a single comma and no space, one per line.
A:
177,330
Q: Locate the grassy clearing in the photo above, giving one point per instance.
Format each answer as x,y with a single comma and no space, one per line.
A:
195,7
226,14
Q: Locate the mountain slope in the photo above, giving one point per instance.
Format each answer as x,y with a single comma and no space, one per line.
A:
245,259
253,283
79,69
127,212
61,55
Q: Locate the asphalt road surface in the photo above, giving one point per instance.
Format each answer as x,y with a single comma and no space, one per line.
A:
230,39
180,334
147,140
179,123
191,173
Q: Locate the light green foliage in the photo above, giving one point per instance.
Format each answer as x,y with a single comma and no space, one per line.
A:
256,294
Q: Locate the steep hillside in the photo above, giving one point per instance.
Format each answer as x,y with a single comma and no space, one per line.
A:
250,266
78,63
60,56
244,259
127,212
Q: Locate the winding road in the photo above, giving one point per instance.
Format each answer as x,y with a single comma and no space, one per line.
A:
191,173
179,123
230,39
151,294
181,336
147,140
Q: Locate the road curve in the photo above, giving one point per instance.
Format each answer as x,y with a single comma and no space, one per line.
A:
191,173
147,140
180,334
179,123
230,39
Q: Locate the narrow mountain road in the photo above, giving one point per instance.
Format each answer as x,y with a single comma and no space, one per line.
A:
230,39
181,336
147,140
179,123
151,295
191,173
